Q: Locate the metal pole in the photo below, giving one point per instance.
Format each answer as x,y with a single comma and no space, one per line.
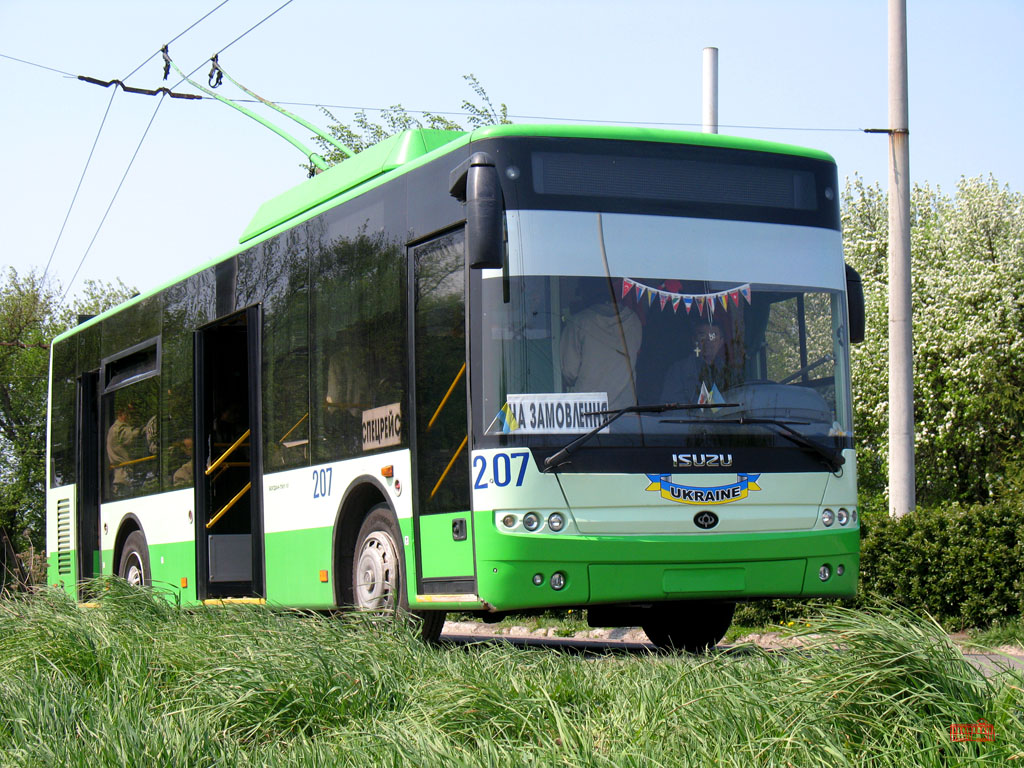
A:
709,98
901,351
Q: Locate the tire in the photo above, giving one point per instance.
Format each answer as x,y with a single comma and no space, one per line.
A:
378,572
134,566
694,627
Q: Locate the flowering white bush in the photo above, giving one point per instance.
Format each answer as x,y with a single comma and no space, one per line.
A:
968,304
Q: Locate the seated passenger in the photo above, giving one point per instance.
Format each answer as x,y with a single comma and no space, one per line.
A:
708,367
593,358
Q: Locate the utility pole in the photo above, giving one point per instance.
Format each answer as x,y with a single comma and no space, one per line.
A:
709,96
901,350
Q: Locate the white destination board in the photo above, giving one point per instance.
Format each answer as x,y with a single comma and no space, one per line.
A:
382,426
551,413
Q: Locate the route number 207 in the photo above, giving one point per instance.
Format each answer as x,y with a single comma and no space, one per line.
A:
321,483
501,469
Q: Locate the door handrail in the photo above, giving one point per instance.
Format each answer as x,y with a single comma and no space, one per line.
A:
444,399
451,463
286,434
229,505
228,452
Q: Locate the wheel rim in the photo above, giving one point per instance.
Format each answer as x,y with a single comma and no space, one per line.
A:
134,574
376,572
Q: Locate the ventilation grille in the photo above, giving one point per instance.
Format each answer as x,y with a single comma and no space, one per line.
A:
64,537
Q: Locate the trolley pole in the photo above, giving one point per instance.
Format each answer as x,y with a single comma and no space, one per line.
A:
901,351
709,96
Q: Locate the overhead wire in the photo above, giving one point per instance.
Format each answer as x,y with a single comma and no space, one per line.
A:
149,125
353,108
81,178
112,199
95,142
33,64
153,117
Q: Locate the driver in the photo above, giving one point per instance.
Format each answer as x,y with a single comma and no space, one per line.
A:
707,367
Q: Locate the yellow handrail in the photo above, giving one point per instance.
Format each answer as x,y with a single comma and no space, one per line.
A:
451,463
229,505
297,423
133,461
444,400
228,452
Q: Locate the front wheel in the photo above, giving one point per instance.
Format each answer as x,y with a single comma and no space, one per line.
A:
378,573
134,566
693,626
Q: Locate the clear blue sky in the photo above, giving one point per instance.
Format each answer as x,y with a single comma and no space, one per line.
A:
204,169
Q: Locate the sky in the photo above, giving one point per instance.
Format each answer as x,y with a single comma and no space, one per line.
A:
816,68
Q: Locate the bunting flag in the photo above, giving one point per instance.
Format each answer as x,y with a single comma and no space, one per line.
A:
688,300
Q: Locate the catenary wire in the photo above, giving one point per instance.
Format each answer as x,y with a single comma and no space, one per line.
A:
666,123
96,141
74,197
181,34
146,133
33,64
112,199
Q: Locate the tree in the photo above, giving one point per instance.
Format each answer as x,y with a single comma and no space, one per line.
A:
31,314
395,119
967,255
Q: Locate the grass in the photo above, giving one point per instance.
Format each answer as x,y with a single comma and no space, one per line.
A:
138,681
1001,633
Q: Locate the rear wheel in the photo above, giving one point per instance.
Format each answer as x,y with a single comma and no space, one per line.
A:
695,627
378,572
134,566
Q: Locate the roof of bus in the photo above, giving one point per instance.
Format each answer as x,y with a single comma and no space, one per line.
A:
402,149
403,152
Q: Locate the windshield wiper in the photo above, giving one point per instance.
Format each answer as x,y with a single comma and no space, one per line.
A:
558,458
834,459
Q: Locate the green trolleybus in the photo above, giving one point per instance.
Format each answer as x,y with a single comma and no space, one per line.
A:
512,369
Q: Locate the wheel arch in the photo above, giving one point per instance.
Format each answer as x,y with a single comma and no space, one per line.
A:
129,525
363,494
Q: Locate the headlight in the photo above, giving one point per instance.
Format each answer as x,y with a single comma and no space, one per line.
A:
531,521
827,517
843,516
556,522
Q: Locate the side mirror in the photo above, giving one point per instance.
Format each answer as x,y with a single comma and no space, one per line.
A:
855,304
475,182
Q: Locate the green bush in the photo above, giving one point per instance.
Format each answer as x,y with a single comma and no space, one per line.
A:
960,564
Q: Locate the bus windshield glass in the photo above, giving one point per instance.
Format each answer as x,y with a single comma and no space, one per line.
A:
598,312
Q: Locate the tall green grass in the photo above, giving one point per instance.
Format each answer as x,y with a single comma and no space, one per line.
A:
137,681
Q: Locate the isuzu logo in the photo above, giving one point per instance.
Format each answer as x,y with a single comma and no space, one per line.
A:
707,460
706,519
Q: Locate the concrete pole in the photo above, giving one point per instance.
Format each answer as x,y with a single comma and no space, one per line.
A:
709,97
901,351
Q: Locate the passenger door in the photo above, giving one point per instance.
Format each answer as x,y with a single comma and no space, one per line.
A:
442,521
